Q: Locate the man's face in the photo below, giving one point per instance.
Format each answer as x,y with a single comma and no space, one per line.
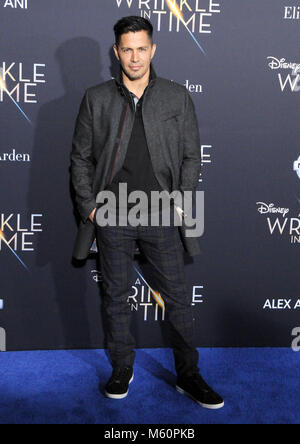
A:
135,53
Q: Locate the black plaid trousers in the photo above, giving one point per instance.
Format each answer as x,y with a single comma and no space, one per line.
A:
162,247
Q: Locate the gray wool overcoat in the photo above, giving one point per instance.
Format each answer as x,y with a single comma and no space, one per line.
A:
101,136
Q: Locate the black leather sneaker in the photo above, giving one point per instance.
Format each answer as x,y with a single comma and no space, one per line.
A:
117,386
196,388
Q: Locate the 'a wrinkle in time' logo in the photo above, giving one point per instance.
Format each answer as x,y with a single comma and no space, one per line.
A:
192,16
279,222
149,301
290,81
16,235
18,84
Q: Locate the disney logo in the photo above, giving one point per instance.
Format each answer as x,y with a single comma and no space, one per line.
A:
282,64
264,209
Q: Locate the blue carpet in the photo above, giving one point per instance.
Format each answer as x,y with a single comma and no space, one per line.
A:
260,386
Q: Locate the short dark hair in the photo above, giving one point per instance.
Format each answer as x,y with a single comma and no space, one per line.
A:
132,23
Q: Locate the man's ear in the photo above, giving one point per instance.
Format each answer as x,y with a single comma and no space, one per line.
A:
153,50
116,51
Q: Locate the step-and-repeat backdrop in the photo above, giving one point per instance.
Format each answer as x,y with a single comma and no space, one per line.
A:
240,62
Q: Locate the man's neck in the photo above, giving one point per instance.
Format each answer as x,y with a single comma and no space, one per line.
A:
137,86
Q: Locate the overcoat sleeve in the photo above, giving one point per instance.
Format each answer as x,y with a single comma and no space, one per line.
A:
82,161
191,163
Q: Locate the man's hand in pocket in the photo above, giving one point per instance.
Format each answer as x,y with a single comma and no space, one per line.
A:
91,216
180,212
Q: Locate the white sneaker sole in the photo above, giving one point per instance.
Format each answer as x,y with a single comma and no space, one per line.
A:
206,406
120,396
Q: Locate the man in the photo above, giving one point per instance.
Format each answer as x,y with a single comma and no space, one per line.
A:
140,130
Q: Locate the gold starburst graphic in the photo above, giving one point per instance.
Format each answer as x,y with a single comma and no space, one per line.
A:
174,8
156,295
4,88
3,238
